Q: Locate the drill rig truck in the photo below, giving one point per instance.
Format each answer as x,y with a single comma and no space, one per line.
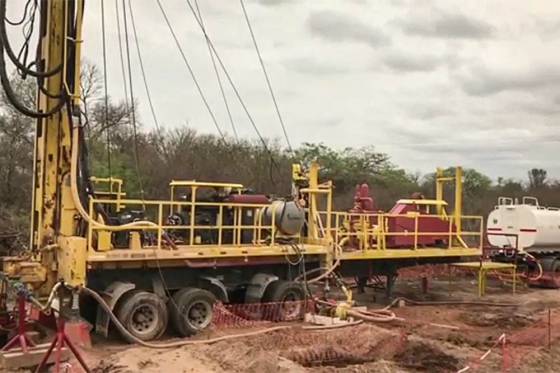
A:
160,262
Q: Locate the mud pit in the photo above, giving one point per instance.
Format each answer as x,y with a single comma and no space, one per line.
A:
435,338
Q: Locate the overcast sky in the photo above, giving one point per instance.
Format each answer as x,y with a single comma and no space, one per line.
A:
430,83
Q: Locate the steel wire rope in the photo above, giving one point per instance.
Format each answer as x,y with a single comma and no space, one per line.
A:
191,71
218,78
105,89
267,78
228,76
236,91
132,108
142,70
123,70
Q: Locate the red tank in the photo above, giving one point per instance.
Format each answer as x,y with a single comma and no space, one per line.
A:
429,224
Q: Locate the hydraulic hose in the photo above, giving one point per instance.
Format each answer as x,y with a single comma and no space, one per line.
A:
4,41
76,195
12,96
539,266
378,315
452,302
321,276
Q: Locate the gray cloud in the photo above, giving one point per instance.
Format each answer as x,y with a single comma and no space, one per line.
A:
431,111
308,65
412,62
273,2
447,25
481,81
339,27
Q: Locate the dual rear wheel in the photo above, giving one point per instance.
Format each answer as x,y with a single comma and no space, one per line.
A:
145,315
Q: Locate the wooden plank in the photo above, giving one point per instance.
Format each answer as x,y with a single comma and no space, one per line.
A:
16,358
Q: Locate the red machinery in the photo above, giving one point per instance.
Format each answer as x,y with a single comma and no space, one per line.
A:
414,215
410,223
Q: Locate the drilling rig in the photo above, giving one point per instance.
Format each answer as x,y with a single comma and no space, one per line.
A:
160,262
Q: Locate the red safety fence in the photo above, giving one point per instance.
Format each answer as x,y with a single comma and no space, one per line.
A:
254,314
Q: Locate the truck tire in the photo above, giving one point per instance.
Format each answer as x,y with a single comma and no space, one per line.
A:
143,314
290,296
191,310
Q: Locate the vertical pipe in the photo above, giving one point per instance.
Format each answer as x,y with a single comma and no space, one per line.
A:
240,223
193,210
439,190
90,226
416,216
220,223
160,222
313,184
458,199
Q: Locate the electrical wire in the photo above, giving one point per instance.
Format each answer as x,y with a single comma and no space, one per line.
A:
218,78
105,88
268,83
191,72
132,106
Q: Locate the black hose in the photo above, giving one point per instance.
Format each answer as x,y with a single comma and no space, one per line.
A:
12,55
12,96
5,80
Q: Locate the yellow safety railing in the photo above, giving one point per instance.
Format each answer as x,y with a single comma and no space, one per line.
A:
371,231
260,231
109,188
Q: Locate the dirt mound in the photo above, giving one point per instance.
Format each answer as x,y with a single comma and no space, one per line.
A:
425,357
291,350
500,320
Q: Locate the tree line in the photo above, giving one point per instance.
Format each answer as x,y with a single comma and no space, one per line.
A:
183,153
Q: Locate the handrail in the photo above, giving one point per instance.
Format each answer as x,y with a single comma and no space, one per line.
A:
368,231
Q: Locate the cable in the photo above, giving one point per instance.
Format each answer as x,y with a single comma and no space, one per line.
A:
106,95
266,77
25,10
235,90
123,71
6,84
218,78
189,68
9,51
132,108
137,42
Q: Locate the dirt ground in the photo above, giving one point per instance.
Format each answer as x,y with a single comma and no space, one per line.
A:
425,338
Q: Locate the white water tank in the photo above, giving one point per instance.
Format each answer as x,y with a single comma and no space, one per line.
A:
524,225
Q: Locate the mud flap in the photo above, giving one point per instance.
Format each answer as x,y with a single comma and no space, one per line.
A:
111,295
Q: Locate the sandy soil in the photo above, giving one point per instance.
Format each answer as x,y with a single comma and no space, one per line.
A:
434,338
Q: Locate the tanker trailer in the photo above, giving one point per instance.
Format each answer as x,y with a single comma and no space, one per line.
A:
529,234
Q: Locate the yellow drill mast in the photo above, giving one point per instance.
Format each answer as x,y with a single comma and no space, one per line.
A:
55,236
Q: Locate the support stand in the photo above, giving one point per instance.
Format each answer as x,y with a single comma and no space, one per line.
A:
20,339
60,341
